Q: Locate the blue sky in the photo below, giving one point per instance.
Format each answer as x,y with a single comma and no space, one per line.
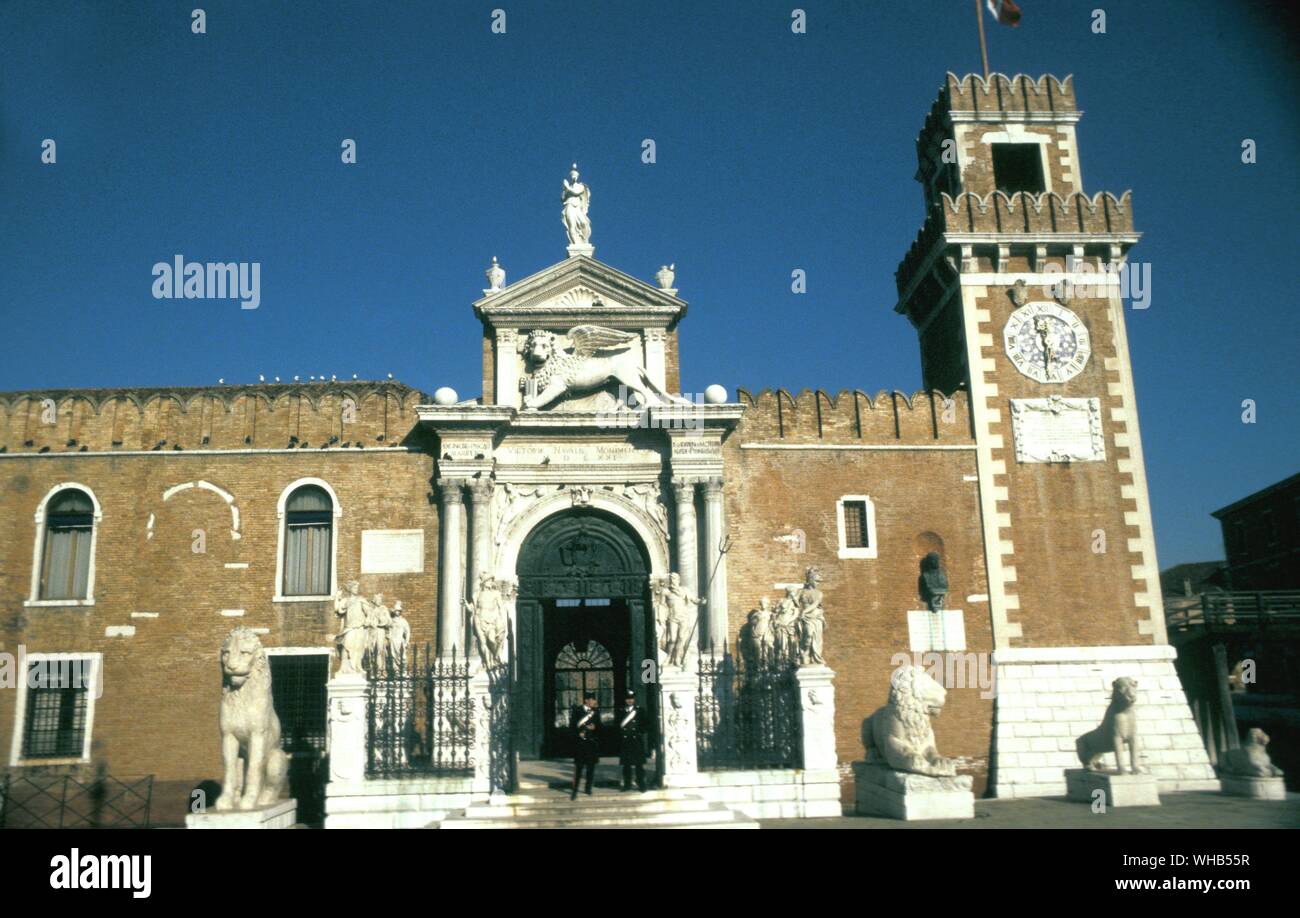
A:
775,151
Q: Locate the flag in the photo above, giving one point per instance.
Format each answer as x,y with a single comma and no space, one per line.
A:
1004,11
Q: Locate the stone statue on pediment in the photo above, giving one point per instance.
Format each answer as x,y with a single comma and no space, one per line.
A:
576,200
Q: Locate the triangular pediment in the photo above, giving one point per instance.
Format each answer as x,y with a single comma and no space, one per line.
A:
581,290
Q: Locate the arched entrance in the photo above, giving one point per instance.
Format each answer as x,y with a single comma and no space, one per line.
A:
581,624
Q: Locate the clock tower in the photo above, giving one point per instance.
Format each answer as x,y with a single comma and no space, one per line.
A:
1014,286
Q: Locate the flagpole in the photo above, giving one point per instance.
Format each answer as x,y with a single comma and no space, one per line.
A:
984,51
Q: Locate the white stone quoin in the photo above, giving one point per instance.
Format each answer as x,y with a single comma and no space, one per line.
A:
1047,697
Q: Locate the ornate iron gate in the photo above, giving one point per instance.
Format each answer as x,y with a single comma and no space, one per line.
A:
747,713
420,716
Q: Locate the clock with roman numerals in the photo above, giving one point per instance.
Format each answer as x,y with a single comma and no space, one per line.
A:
1047,342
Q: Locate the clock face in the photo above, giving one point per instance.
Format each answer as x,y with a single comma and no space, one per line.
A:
1047,342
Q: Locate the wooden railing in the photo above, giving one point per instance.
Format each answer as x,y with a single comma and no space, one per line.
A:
1241,609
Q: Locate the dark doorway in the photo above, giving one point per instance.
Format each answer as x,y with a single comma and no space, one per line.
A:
582,624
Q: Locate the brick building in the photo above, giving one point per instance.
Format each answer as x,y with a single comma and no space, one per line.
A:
141,524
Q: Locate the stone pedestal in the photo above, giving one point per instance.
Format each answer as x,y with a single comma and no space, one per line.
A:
679,762
1119,790
1254,788
347,727
817,701
881,791
282,814
480,693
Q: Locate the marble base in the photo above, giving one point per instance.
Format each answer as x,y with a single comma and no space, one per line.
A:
280,815
1254,788
1119,790
881,791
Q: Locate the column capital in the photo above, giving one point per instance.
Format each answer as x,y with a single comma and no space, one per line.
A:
684,487
480,489
712,487
451,490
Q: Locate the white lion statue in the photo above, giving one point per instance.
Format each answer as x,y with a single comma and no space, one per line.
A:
600,355
1118,732
255,765
1251,760
899,735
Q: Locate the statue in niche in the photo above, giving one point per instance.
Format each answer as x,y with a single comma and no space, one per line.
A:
675,612
812,620
599,356
489,620
399,638
933,582
785,625
759,637
575,201
350,607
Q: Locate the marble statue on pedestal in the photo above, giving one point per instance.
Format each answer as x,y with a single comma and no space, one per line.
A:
399,639
576,200
812,620
1251,760
599,356
933,582
352,639
785,625
378,621
758,638
899,735
1117,733
676,617
489,620
255,765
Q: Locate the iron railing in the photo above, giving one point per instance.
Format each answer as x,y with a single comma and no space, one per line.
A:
420,716
747,713
1248,609
75,802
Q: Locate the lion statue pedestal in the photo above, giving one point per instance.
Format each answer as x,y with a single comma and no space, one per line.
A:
1250,772
256,767
904,777
1130,784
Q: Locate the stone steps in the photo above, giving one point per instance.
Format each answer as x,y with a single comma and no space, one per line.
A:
535,809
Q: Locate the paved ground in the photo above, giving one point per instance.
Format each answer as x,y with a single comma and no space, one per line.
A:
1176,811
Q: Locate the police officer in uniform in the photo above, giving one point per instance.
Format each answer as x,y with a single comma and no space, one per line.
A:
633,731
585,724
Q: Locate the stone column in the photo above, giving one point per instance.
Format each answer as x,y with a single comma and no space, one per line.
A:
507,368
451,569
688,558
655,362
480,552
347,728
678,763
716,573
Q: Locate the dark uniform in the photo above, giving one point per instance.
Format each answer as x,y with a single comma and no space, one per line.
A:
585,724
633,730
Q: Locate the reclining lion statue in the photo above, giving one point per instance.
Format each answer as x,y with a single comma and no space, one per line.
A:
899,735
1118,730
255,765
600,355
1251,760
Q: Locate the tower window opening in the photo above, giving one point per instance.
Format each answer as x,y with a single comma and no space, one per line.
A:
1018,167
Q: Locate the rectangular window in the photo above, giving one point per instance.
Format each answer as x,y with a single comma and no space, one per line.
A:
54,726
307,559
298,694
1018,167
855,524
65,567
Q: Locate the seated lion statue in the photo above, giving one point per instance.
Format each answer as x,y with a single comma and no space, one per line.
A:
899,735
255,765
1251,760
1118,729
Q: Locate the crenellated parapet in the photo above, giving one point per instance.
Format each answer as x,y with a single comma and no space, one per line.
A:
853,416
325,415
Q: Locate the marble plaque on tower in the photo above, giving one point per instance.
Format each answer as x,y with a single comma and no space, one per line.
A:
392,551
1057,429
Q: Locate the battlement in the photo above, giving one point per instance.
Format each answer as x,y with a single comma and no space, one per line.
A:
855,417
1035,216
1000,97
324,415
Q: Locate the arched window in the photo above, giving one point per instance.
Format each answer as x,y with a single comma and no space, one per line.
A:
66,554
308,536
579,673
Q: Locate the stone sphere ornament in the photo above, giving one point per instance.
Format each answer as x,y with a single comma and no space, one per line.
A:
715,395
445,396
